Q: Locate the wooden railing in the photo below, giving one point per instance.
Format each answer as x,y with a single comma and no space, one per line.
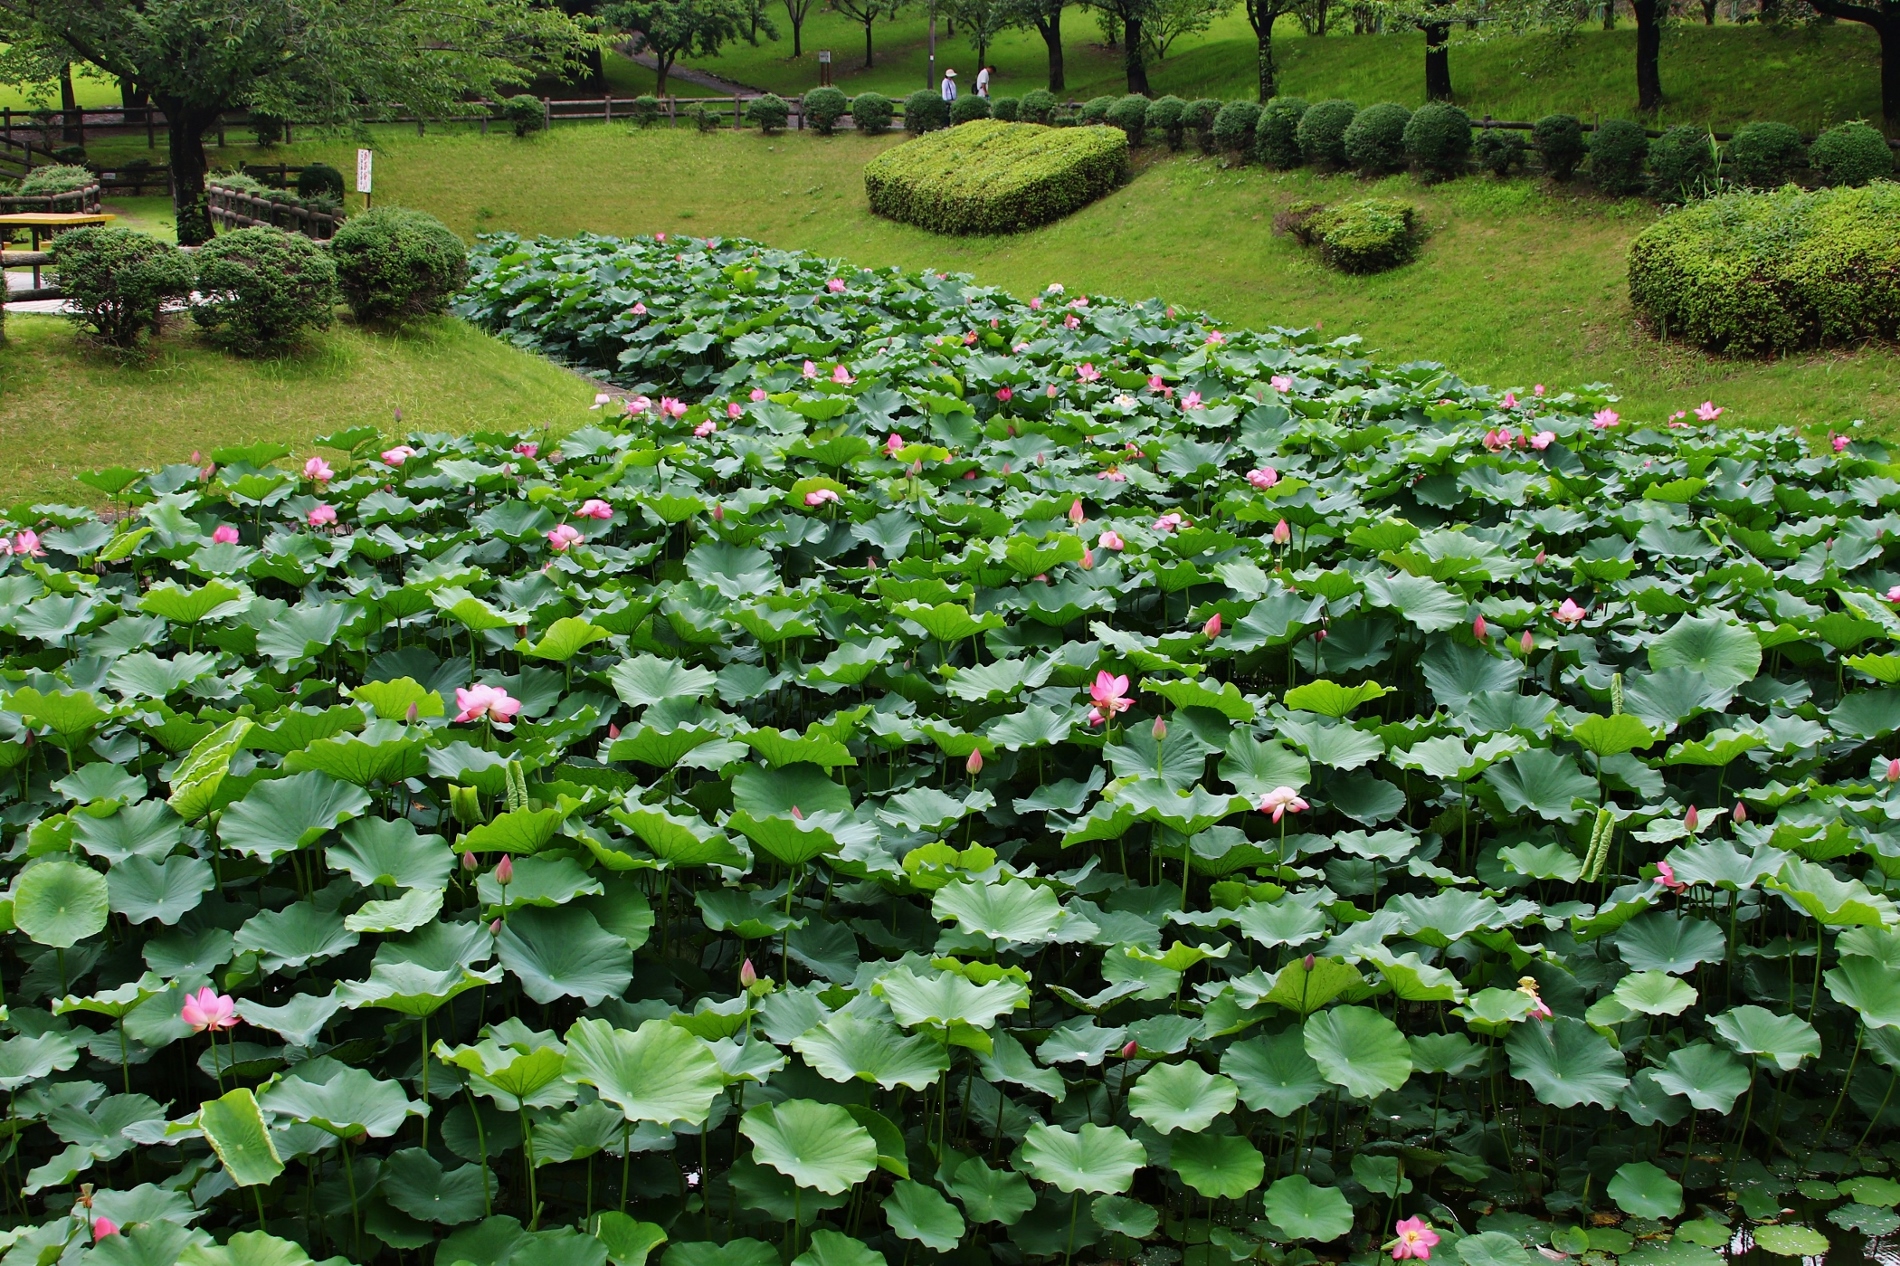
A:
80,200
236,209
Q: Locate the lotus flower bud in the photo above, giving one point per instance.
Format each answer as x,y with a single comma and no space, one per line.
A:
613,731
469,862
748,975
1539,560
797,815
1692,819
1741,814
719,514
1479,629
1088,558
412,714
1212,627
505,870
974,765
1893,771
1076,515
1309,962
494,928
1128,1050
1160,729
1282,533
1528,642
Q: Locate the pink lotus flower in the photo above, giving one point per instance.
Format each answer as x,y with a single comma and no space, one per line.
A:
1005,394
1281,383
892,443
1840,443
1893,594
1111,540
1740,815
1087,560
659,237
1666,876
638,405
492,702
1416,1239
321,514
1538,390
398,455
319,470
1087,372
26,543
1570,613
1707,411
1510,400
1893,771
563,536
974,765
1112,476
1110,695
1169,522
734,410
1071,322
102,1227
1128,1050
505,870
1479,629
1215,338
758,395
1052,395
1155,383
969,338
1495,440
1192,400
639,309
669,407
1282,533
810,370
527,449
1263,478
224,534
841,376
820,496
595,508
1281,801
1527,642
835,285
1543,440
208,1010
748,975
1077,515
1692,819
1212,628
705,428
1035,305
1605,419
600,398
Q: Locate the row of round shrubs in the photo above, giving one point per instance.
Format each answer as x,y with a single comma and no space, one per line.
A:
260,288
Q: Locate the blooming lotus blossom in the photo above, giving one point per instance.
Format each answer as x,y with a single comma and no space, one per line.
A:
398,455
1893,594
1035,305
1155,382
810,370
734,409
1666,876
835,285
669,407
1087,372
206,1010
1495,440
1416,1239
820,496
1509,401
1543,440
841,376
224,534
705,428
1538,390
563,535
638,405
491,702
1527,985
320,515
1113,476
1605,419
102,1227
1192,400
1125,401
600,398
639,309
1280,383
1676,419
1169,522
318,470
1281,801
1005,394
1707,411
595,508
527,449
1263,478
1212,627
1215,338
1111,540
1839,442
1282,533
758,395
1071,322
1110,695
1570,613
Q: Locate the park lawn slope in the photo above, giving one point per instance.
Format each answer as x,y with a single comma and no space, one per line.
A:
995,177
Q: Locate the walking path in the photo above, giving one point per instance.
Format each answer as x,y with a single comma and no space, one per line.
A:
697,77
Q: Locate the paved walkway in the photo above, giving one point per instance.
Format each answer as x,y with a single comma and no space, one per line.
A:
698,78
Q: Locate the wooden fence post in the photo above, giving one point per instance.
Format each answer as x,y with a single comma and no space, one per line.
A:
672,119
607,106
547,114
738,119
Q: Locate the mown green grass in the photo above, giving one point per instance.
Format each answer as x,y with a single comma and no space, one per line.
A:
1518,283
66,408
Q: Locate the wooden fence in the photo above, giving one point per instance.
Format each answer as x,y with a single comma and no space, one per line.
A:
78,200
235,209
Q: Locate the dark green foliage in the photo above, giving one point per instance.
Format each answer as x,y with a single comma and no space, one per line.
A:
708,118
1276,137
1682,164
1499,150
1765,155
1039,106
117,280
823,108
1005,108
1438,139
393,263
261,288
58,178
1233,127
1095,110
268,129
871,113
1322,132
524,113
1618,150
1164,118
768,112
319,180
1375,140
1851,154
1199,118
1367,235
646,111
1766,273
1558,140
996,177
970,108
1130,114
925,111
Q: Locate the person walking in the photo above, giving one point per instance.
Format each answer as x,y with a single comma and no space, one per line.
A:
983,81
950,84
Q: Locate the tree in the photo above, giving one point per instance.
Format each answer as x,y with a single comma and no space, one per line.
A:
1169,20
1046,17
1649,19
798,11
1884,17
865,12
1261,15
983,21
667,28
327,63
1437,60
1131,15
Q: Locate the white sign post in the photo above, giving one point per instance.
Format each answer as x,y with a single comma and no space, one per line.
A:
362,174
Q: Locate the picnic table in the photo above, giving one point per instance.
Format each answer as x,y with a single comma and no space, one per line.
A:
51,223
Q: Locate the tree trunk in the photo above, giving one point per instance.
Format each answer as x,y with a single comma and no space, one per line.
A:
1708,12
1609,15
188,168
1325,6
1438,62
1889,31
70,131
1052,38
1262,14
1131,56
1648,53
661,64
131,96
867,46
798,23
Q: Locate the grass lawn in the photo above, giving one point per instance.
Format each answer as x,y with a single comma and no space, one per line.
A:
66,408
1517,284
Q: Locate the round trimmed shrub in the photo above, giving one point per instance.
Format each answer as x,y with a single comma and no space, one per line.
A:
969,109
823,108
1499,150
1276,140
1130,114
57,178
1765,155
393,263
646,111
1438,139
1164,118
1039,106
260,288
769,113
1005,108
1618,151
1233,127
1199,118
925,111
116,281
525,113
1682,164
1322,131
1367,235
1095,110
871,113
1766,273
1851,154
320,180
1375,140
1558,140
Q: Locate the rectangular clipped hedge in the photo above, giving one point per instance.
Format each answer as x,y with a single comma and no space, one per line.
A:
989,176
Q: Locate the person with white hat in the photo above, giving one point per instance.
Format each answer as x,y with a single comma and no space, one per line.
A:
950,84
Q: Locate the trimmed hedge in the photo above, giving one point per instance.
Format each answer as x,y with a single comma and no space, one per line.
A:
969,109
1005,108
1164,116
117,280
1764,273
1682,164
824,107
871,113
1322,131
1375,140
925,111
1438,139
319,180
1367,235
57,178
1851,154
1130,114
1276,139
1038,106
1765,155
769,113
393,263
996,177
1558,140
262,287
1233,126
1095,110
1499,150
1618,150
1198,118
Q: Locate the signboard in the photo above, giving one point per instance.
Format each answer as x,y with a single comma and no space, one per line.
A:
362,170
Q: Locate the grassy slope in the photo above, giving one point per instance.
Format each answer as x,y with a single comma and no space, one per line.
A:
65,408
1517,285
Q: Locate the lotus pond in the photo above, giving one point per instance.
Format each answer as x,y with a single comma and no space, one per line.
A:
937,776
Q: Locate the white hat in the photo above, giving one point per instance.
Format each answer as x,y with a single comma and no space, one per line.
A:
950,74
